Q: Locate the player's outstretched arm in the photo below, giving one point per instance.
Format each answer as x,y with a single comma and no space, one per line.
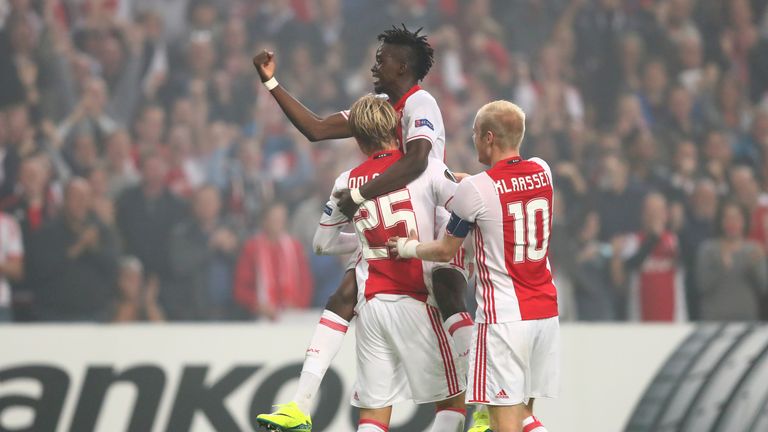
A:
442,250
397,176
312,126
331,241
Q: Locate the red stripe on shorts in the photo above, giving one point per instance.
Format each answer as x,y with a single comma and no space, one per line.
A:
445,351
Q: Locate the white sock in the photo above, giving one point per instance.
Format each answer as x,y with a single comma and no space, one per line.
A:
371,426
459,326
449,420
325,344
532,424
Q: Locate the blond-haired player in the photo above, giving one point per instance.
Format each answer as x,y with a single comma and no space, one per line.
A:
514,355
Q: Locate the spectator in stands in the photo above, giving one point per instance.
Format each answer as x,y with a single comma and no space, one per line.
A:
249,187
700,225
119,164
103,206
593,291
88,118
647,265
11,263
203,252
685,171
150,128
623,97
146,214
272,271
20,142
718,156
33,204
73,262
732,277
138,297
185,172
752,147
653,92
619,199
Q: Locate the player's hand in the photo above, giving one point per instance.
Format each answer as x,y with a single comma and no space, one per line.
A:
392,247
346,203
265,64
461,176
396,244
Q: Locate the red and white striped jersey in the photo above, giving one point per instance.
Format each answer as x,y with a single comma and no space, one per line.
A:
391,215
420,118
510,206
656,287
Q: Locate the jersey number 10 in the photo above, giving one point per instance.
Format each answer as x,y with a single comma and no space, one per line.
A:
377,219
527,246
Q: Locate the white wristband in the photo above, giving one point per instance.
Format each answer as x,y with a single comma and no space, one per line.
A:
357,197
271,84
407,248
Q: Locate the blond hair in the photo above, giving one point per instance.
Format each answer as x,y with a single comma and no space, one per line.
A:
373,122
505,120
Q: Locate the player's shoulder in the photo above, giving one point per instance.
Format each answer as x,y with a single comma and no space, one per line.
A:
475,183
420,98
541,162
342,180
436,165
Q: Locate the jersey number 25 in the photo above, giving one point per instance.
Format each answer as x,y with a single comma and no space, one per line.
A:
377,220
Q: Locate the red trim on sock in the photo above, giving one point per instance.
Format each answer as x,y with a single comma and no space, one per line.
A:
334,325
532,426
466,322
381,426
458,410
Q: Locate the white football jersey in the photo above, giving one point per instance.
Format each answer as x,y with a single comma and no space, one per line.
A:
392,215
420,118
510,206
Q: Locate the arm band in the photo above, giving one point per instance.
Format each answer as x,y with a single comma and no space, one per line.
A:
458,227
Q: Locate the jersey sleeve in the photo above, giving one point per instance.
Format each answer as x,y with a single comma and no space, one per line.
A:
544,165
466,206
443,183
329,240
421,120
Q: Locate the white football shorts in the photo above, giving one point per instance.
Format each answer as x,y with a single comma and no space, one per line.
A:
512,362
403,353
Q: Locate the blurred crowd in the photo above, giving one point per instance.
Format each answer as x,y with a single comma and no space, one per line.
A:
147,174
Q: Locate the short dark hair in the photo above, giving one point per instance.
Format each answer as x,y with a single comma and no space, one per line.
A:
421,57
725,205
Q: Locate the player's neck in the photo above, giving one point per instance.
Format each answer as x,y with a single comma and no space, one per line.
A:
499,156
383,149
399,90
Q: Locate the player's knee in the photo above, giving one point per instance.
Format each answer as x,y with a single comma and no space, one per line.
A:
343,301
453,403
449,287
